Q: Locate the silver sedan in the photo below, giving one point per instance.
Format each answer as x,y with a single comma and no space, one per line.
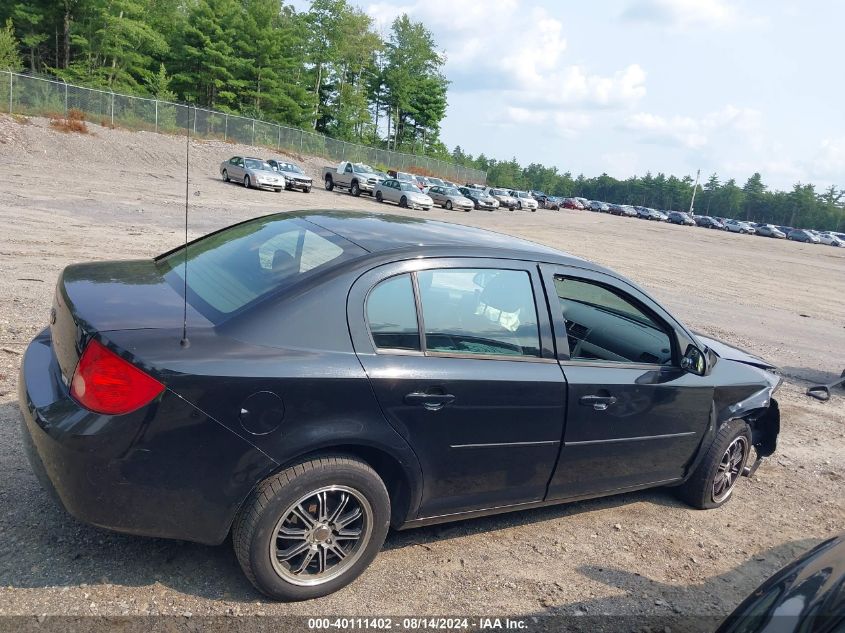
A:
251,172
403,193
450,198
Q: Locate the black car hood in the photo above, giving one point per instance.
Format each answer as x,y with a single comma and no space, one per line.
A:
729,352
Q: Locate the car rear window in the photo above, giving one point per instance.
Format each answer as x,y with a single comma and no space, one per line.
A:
243,264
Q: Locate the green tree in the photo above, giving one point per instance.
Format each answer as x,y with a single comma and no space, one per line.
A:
10,56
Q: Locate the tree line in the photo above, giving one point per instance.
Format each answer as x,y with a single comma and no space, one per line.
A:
324,69
801,207
327,69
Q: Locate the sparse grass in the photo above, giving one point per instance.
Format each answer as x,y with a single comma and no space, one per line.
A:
21,119
73,122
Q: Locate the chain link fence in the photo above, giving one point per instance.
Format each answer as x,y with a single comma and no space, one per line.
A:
39,96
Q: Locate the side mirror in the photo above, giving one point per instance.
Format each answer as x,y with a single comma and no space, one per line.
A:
693,361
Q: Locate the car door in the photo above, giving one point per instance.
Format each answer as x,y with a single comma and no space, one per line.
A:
436,195
459,355
634,417
236,168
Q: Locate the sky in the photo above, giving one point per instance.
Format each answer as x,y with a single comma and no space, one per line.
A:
624,87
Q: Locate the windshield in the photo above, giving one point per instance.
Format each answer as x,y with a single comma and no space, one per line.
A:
451,191
239,266
361,168
253,163
406,186
403,176
498,192
436,181
289,167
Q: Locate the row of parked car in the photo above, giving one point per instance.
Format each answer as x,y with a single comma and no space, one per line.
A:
424,192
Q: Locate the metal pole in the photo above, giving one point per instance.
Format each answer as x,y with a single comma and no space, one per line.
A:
694,187
225,127
66,110
253,131
195,119
112,109
156,102
301,136
10,92
279,140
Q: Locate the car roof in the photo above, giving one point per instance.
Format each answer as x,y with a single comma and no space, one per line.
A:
380,233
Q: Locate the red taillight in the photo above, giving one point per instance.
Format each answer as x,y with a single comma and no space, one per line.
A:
105,383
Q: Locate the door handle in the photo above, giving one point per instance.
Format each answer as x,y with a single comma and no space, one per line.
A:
430,401
599,403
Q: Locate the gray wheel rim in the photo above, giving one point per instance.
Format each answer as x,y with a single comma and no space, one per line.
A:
730,469
246,181
321,535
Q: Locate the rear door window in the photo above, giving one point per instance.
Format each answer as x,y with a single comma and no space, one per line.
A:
392,314
484,312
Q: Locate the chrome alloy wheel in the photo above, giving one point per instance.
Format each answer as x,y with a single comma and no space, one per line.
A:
730,468
321,535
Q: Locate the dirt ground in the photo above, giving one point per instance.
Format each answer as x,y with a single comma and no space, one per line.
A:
115,194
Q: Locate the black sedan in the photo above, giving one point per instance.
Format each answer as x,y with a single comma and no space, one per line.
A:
679,217
807,596
708,223
337,374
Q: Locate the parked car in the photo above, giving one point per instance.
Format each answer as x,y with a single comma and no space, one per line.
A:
524,200
786,230
295,178
306,442
504,198
597,205
770,230
679,217
436,182
829,238
251,172
405,194
450,198
358,178
552,202
422,183
738,226
647,213
540,197
480,198
623,210
802,235
709,223
572,203
808,595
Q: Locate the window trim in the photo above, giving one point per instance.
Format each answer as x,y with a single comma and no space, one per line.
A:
396,351
357,304
637,303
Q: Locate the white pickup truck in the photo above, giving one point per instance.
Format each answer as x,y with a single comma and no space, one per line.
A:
358,178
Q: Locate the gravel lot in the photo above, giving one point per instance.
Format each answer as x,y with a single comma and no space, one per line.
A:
119,194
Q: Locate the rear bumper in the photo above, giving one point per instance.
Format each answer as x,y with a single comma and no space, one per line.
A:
167,470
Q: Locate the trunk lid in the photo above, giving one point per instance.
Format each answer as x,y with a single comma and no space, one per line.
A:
107,296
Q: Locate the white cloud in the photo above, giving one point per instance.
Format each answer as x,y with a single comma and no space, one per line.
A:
682,13
828,164
516,51
693,133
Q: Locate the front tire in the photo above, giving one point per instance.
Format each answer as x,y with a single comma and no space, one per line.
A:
306,190
448,205
312,528
403,202
379,197
246,182
713,481
355,190
225,176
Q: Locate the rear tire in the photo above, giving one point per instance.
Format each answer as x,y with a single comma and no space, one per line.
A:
449,205
303,508
355,190
403,202
329,183
712,483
